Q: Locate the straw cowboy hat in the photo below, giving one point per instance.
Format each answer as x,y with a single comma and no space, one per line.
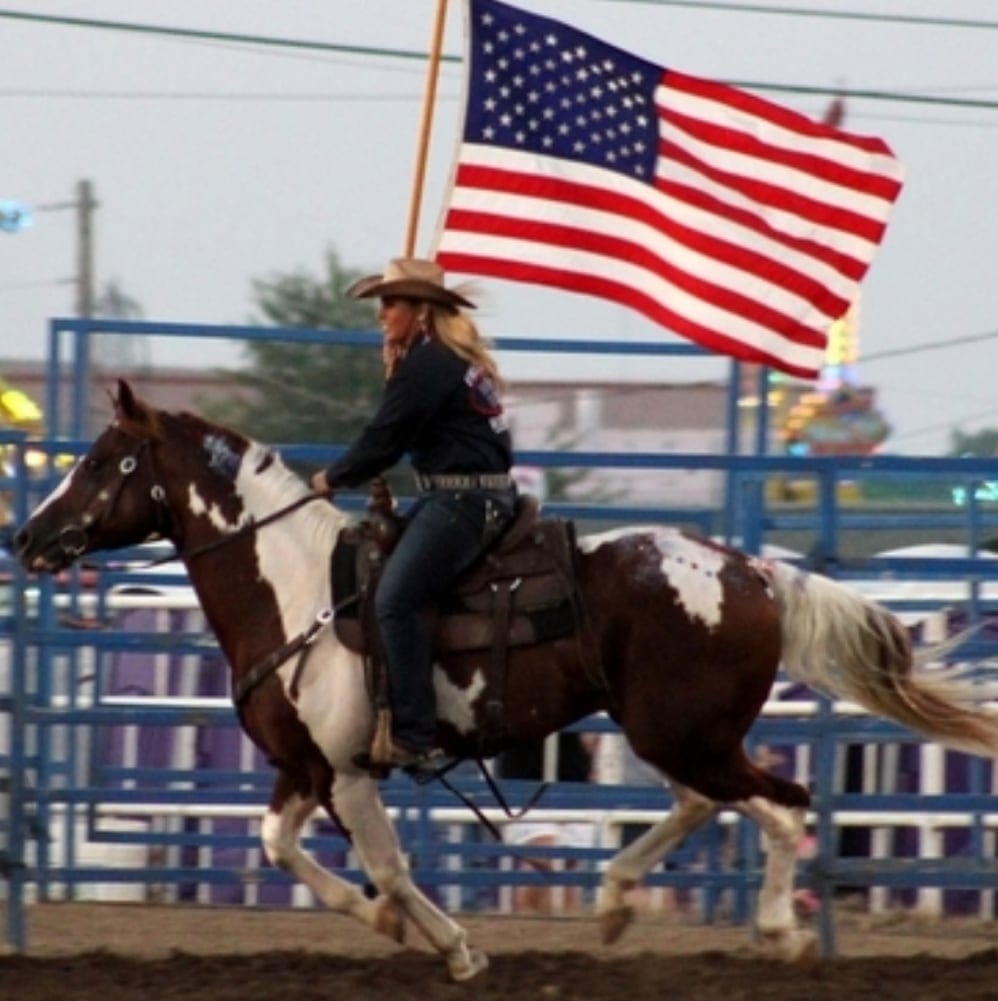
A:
410,278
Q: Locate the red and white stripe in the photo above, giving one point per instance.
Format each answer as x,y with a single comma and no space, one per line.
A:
751,240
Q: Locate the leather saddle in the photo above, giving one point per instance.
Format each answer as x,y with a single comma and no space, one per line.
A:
521,592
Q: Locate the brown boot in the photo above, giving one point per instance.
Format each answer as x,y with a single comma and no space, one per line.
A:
426,761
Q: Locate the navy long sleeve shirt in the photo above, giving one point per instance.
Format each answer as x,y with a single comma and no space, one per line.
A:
442,411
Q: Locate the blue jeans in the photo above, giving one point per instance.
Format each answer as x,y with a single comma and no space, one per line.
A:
445,533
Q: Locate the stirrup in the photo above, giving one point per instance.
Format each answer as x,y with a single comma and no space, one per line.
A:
431,760
422,766
364,761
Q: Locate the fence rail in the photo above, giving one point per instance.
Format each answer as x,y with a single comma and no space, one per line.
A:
122,770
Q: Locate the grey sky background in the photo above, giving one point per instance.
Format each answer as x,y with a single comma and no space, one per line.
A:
216,163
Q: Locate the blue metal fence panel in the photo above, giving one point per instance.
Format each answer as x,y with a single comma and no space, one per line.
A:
131,766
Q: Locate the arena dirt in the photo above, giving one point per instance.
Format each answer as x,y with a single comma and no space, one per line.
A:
128,952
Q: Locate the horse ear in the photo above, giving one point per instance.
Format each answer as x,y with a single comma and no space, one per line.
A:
134,415
125,403
128,408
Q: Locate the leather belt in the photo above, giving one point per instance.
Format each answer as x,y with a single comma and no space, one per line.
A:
464,481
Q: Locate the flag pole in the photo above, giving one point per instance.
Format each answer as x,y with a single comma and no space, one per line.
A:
426,120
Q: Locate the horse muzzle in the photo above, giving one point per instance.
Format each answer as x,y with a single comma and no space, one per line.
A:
53,553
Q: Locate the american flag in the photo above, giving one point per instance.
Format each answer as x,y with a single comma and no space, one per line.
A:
727,219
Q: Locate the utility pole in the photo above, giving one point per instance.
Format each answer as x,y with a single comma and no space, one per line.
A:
14,217
85,206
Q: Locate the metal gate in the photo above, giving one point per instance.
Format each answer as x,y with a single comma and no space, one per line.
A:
123,774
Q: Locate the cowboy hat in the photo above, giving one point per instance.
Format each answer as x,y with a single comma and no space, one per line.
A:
410,278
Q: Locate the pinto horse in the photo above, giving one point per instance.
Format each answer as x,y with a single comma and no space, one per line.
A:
682,642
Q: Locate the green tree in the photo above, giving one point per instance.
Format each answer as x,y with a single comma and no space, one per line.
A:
306,393
560,482
119,351
982,443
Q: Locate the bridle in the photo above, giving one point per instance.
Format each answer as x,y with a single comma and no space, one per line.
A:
74,538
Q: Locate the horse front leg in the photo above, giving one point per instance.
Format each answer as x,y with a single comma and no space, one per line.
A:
358,804
280,833
776,919
628,867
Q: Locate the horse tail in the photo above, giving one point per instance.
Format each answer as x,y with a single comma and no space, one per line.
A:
841,643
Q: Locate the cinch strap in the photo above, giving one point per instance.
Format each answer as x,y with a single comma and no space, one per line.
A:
464,481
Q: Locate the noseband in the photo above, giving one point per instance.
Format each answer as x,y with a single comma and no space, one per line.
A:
74,538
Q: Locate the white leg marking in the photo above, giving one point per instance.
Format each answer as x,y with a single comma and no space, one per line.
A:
630,866
359,805
280,834
783,828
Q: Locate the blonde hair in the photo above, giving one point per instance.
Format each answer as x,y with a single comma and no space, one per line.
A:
458,331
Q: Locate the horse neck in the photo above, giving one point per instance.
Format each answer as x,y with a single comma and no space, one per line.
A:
261,586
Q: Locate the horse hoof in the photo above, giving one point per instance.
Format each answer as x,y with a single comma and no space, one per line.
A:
389,921
473,962
614,923
804,952
799,948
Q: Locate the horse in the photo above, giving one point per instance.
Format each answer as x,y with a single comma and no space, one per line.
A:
682,641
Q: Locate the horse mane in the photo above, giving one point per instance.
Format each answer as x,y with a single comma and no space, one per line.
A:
144,420
201,425
272,482
275,485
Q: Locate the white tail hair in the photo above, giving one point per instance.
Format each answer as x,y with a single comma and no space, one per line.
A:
843,644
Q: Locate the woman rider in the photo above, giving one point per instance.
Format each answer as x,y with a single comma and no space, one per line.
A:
441,405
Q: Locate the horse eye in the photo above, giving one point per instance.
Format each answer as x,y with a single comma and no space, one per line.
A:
91,464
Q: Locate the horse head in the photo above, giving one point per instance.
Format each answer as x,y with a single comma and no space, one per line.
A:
118,494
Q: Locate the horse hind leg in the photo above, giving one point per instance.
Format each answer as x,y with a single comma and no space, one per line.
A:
776,920
779,808
280,834
629,866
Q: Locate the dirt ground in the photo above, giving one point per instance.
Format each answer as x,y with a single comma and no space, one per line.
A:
121,952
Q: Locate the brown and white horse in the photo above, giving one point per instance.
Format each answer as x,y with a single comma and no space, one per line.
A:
682,643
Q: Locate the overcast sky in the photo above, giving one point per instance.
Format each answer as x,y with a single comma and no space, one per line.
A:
216,163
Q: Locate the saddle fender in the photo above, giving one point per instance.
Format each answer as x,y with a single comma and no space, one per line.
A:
523,591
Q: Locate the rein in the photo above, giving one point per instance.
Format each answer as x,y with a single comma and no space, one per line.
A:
253,525
73,540
441,776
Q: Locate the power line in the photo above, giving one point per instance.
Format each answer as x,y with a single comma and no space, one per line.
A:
929,346
959,123
843,15
340,97
189,95
42,283
197,34
872,95
949,425
743,8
